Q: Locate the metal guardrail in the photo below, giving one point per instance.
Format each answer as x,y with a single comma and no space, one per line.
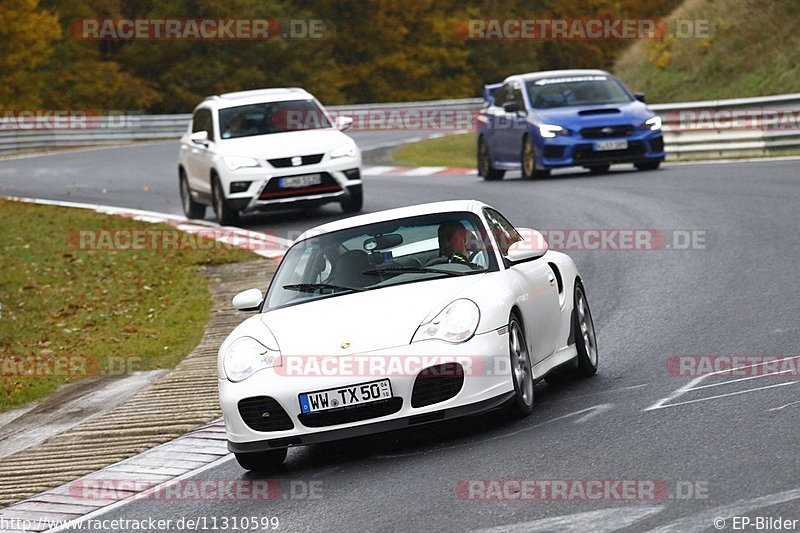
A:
705,129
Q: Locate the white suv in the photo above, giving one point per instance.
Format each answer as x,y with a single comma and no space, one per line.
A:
255,150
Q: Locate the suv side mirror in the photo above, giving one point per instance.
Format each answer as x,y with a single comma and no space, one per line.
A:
199,137
511,107
640,97
532,246
343,122
249,300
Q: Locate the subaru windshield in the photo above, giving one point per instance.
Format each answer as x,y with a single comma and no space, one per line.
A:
546,93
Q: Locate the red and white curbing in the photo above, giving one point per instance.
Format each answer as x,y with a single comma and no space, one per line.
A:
383,171
269,246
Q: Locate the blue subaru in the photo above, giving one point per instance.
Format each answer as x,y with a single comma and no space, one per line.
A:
563,118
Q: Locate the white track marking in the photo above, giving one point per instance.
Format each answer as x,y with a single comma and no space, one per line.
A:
784,406
740,379
723,395
424,171
676,393
599,521
704,521
377,170
660,404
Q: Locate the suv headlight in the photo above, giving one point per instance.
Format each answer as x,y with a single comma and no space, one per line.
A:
348,150
551,130
455,324
653,123
245,356
236,162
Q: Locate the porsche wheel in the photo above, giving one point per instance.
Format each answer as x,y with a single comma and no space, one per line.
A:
585,340
521,374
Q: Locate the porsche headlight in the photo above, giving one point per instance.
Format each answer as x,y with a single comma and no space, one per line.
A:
455,324
245,356
236,162
551,130
348,150
653,123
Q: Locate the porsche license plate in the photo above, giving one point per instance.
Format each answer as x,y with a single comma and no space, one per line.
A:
604,146
373,391
295,182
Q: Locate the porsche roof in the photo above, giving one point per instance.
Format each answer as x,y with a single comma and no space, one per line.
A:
448,206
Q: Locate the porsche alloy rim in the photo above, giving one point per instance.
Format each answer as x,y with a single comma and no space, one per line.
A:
527,157
521,364
587,328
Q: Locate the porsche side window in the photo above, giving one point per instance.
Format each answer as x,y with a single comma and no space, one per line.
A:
504,232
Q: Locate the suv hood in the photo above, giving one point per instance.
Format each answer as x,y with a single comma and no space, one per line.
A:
287,144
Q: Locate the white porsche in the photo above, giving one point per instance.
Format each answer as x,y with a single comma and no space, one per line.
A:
402,317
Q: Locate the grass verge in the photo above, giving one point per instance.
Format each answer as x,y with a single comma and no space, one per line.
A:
67,313
456,151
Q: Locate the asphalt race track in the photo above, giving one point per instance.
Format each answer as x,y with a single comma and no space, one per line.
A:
727,449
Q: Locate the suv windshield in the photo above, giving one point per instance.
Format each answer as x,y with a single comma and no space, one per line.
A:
576,90
380,255
271,117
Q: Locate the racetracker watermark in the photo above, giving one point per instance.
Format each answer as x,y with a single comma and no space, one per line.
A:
394,118
733,119
582,29
213,29
114,239
67,366
614,239
428,366
66,119
196,489
734,365
579,489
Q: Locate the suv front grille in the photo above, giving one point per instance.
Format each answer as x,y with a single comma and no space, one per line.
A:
326,185
285,162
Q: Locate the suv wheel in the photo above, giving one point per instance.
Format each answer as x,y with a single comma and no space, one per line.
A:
225,215
355,201
191,208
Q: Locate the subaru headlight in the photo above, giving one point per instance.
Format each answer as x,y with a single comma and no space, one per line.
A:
347,150
455,324
245,356
551,130
653,123
236,162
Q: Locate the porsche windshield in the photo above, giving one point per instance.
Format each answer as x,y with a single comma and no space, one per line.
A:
381,255
569,91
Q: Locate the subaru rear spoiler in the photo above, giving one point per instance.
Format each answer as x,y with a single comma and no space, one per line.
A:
489,90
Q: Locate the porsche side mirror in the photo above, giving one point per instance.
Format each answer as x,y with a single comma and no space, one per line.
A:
249,300
532,246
